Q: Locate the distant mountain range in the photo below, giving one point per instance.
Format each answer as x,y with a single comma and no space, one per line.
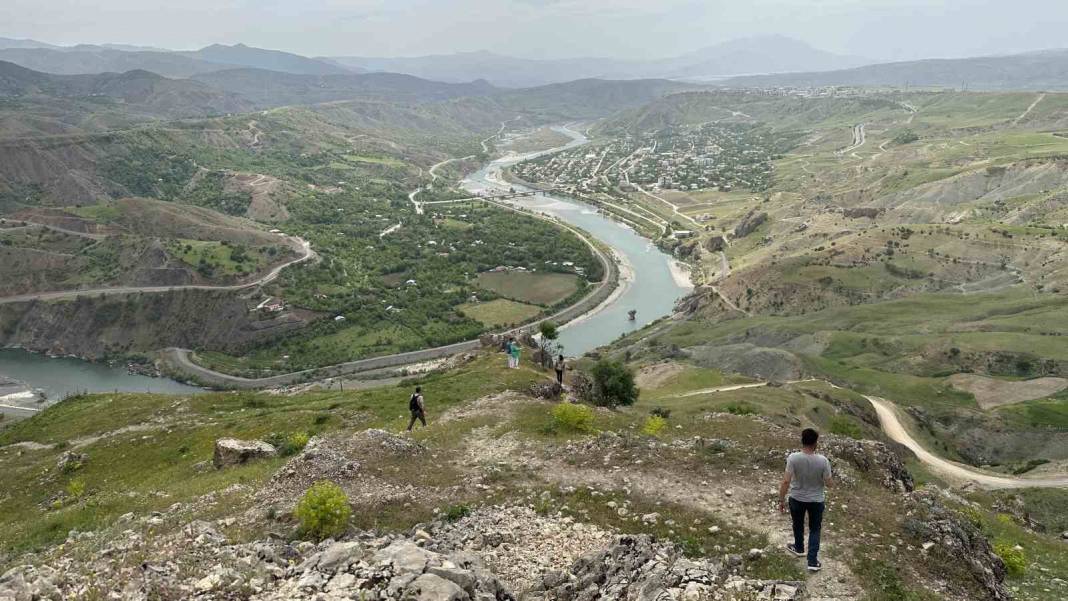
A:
750,62
87,59
1045,70
139,91
766,54
769,54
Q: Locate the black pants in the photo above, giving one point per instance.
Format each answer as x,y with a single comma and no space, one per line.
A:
559,376
417,415
798,509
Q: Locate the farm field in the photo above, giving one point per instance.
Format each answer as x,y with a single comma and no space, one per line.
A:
500,312
545,289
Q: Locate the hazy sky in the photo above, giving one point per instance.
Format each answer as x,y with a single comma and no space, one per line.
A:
882,29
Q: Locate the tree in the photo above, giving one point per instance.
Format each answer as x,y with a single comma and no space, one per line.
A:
613,384
548,348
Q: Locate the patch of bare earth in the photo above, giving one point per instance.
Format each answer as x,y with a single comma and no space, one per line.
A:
991,392
656,375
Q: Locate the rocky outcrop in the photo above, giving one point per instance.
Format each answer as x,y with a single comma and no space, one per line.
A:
640,568
231,451
93,325
863,212
716,243
876,459
750,360
950,536
750,223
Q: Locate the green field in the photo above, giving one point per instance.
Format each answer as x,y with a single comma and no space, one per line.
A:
500,312
545,289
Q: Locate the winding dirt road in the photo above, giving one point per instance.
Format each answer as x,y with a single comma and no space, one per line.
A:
893,428
299,244
896,431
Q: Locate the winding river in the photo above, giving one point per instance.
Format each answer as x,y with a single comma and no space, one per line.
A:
651,281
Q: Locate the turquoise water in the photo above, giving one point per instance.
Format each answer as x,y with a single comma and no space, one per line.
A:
652,290
63,376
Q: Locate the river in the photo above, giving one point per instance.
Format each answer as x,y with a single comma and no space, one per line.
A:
59,377
652,281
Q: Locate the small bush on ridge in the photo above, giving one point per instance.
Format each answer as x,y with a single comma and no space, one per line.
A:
324,510
574,418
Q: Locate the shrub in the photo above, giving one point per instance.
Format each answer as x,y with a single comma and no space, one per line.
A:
76,489
288,444
653,425
572,417
324,510
613,384
741,408
1015,562
457,512
322,418
843,426
661,412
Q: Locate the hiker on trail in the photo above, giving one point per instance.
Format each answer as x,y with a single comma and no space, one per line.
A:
559,365
808,474
418,409
514,350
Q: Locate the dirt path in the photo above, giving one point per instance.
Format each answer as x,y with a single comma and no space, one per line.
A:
1027,112
897,432
893,428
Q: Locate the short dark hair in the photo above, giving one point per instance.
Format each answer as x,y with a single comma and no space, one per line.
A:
809,437
419,389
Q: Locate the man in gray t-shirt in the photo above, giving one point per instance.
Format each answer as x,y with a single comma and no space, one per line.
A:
808,474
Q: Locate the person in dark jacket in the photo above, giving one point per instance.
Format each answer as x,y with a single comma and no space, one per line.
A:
418,409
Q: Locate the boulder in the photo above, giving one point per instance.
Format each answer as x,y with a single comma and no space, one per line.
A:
231,451
430,587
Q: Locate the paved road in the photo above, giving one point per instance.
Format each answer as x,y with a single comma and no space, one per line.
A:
299,244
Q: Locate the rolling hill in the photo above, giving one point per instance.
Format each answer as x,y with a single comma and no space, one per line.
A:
763,54
1046,70
140,91
271,88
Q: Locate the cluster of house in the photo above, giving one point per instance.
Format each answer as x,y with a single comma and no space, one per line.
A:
713,156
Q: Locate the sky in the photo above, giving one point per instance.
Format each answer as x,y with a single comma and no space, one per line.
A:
875,29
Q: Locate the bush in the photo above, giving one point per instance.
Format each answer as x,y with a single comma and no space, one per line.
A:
843,426
76,489
740,408
613,384
572,417
456,512
288,444
661,412
324,510
1015,562
653,425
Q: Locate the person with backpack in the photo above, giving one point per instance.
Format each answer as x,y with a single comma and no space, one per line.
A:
508,351
417,408
559,365
808,475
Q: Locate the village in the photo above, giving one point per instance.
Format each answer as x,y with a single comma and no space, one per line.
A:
713,156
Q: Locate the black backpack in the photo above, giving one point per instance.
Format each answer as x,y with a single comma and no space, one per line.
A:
413,403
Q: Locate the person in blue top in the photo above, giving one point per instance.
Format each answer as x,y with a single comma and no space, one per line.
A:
808,475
